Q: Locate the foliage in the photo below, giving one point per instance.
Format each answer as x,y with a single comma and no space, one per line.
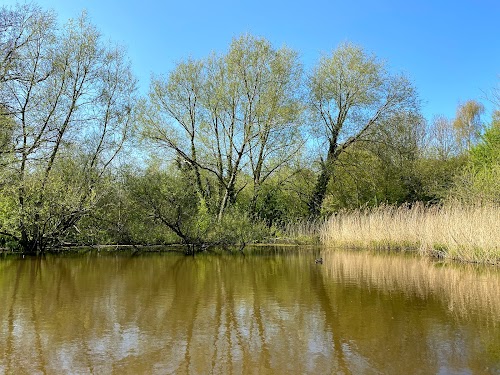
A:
480,179
168,199
282,199
437,176
228,115
237,228
67,97
487,152
384,170
350,94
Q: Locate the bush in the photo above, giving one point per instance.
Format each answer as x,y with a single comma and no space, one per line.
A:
480,179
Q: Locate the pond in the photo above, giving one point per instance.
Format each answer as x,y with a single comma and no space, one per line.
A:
271,311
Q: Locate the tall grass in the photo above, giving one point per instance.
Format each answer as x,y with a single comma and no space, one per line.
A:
302,231
466,233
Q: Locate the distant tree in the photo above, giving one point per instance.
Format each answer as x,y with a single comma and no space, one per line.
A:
350,94
443,139
480,179
467,123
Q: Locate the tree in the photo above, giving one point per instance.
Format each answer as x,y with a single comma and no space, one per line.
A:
168,199
21,28
383,170
397,144
467,123
229,114
350,93
443,143
479,181
70,97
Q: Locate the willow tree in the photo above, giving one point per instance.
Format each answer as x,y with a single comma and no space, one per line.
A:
69,96
229,114
350,93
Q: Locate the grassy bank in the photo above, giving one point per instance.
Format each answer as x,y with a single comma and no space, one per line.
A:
464,233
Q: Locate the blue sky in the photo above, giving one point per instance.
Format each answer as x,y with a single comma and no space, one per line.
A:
450,49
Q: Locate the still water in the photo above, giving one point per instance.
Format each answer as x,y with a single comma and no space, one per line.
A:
272,311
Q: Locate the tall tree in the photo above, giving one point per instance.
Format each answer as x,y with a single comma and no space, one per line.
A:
227,114
351,93
70,96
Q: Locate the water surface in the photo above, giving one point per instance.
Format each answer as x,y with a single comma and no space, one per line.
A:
273,311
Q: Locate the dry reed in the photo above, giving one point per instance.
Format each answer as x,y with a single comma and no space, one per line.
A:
299,232
465,233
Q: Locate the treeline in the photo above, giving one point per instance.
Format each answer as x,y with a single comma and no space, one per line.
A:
224,150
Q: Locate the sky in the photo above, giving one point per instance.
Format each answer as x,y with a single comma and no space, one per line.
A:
449,49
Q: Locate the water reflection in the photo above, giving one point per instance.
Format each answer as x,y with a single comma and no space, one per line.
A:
468,290
270,312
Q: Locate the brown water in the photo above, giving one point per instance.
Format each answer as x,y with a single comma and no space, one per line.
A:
269,312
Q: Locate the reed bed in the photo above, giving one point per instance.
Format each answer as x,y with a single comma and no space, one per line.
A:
465,233
300,232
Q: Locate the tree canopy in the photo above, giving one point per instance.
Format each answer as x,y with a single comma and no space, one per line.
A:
229,114
68,97
351,93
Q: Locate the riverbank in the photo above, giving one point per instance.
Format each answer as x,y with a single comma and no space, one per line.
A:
469,234
463,233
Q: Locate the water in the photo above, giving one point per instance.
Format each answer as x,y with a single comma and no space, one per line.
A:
273,311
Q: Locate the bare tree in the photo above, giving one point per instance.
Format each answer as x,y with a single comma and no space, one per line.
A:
444,140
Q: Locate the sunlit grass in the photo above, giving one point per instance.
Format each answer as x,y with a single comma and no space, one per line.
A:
455,231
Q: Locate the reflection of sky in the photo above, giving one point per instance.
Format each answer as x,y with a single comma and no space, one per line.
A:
314,320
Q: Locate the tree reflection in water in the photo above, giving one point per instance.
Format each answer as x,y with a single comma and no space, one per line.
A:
273,311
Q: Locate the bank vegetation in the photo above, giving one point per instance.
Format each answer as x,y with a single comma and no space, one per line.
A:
469,233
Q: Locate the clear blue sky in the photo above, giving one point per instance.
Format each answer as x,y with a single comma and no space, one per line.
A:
450,49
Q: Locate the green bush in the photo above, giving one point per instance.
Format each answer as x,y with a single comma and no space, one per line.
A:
480,179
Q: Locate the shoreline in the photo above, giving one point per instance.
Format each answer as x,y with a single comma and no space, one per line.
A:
354,246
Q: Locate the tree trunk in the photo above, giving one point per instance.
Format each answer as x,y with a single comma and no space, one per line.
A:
319,192
227,198
253,201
